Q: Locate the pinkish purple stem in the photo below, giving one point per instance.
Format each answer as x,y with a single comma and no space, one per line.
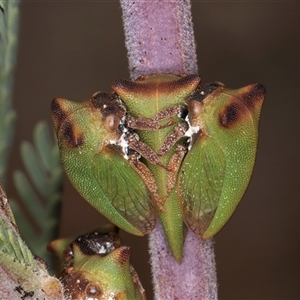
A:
160,39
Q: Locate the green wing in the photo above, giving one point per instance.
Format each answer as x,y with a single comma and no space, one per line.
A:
200,183
125,189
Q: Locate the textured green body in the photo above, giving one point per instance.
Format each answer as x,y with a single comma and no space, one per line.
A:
99,172
147,97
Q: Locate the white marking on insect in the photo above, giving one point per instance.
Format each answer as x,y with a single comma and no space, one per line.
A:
192,130
121,142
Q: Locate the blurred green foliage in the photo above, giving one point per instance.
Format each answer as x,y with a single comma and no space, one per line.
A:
9,24
40,190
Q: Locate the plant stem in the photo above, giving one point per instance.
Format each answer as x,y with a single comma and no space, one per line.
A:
194,278
160,39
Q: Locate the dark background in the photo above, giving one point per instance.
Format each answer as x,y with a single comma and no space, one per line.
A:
74,48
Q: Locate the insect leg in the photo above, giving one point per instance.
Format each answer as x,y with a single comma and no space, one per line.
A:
172,138
143,149
147,176
174,165
153,123
169,112
142,123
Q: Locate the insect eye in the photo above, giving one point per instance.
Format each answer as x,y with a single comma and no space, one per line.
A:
111,122
194,108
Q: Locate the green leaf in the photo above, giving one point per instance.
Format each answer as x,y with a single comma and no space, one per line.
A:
34,168
24,225
55,181
41,193
10,241
29,197
43,144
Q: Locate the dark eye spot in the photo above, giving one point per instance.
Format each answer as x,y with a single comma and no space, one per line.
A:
57,111
230,115
123,255
254,94
72,138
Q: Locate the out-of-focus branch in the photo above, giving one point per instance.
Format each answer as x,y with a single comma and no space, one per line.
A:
160,39
9,24
22,276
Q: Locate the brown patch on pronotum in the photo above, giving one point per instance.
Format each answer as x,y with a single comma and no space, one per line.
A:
123,86
74,284
122,255
231,114
70,135
252,95
182,84
57,112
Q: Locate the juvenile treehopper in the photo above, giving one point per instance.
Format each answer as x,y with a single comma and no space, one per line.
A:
96,266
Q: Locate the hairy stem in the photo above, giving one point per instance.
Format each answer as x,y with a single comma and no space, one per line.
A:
160,39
